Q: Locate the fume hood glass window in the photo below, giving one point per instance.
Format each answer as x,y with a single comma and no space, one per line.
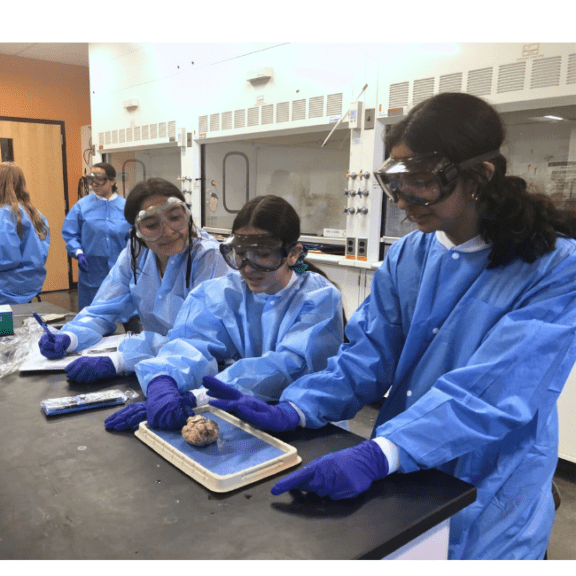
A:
310,177
540,147
137,165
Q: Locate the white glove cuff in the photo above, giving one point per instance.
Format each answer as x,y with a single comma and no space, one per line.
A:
390,451
73,341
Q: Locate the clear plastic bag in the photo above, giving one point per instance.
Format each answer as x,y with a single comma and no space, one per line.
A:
14,349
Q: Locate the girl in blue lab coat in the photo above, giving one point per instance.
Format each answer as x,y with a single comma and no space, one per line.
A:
165,259
273,318
25,239
95,231
470,328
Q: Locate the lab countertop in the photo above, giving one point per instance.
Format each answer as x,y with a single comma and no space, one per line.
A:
72,490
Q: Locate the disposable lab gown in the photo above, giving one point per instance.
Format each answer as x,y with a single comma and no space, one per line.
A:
155,300
98,228
475,360
22,259
271,339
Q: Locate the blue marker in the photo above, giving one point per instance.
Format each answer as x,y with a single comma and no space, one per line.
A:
45,326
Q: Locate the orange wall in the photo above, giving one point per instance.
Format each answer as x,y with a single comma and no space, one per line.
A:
49,91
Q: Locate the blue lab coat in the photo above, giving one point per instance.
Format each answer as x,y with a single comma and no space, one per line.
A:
474,361
97,227
22,259
271,339
155,300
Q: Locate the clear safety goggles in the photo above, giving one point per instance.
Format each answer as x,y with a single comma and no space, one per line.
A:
262,252
423,180
96,179
150,223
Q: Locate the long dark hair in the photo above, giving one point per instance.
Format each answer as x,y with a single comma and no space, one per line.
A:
515,222
142,191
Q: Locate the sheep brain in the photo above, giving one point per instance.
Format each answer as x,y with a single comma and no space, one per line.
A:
200,431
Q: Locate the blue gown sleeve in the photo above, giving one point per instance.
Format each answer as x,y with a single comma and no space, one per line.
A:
363,369
113,303
72,230
194,345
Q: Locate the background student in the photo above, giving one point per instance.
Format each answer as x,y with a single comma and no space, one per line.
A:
24,239
95,231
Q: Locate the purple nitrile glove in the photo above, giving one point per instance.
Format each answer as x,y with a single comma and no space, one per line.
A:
167,407
55,347
83,263
277,418
343,474
128,418
88,369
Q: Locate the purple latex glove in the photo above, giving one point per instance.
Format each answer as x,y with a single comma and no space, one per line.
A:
277,418
90,368
54,347
83,263
167,407
128,418
343,474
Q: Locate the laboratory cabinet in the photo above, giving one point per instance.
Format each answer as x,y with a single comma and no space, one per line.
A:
352,281
567,422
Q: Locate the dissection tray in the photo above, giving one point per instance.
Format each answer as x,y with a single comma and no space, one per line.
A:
242,454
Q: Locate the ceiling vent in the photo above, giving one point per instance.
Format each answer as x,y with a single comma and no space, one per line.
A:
480,82
423,89
299,109
268,114
226,120
334,105
316,107
214,122
253,116
283,112
511,77
451,83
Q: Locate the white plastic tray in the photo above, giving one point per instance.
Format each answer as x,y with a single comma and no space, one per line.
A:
239,446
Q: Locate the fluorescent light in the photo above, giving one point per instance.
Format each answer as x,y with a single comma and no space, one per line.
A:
554,117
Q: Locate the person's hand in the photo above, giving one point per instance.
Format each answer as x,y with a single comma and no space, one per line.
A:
128,418
88,369
277,418
343,474
54,347
83,263
167,407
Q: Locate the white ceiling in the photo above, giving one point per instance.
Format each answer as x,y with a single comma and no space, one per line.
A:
75,53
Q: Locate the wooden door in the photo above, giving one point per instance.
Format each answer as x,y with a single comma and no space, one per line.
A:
39,150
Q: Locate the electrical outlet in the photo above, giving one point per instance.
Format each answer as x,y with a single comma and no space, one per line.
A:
362,253
351,248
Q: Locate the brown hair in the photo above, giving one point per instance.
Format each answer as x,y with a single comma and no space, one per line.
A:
13,193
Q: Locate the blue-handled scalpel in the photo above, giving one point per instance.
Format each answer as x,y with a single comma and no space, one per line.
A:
45,326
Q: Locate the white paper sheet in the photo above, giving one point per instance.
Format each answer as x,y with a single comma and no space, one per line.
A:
106,347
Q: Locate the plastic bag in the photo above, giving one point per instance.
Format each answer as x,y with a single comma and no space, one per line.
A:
14,349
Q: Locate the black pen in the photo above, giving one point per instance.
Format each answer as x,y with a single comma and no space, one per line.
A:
45,326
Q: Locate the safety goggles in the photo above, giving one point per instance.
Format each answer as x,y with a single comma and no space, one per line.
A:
423,180
150,223
262,252
96,179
